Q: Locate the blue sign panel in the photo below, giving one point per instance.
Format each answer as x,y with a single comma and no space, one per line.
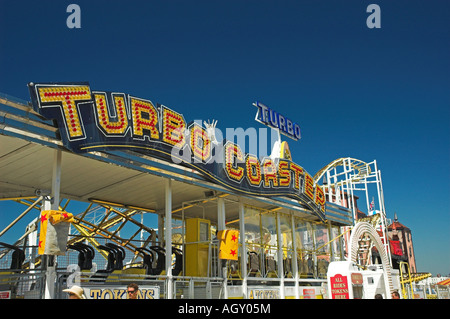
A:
269,117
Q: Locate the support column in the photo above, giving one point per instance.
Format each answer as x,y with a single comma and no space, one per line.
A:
161,225
280,256
294,258
52,203
48,261
330,240
221,214
221,226
243,249
56,180
168,236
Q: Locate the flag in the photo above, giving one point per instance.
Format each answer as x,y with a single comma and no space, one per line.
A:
54,232
57,216
229,241
372,205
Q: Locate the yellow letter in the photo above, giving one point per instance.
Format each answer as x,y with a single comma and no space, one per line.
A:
200,143
283,172
320,198
270,173
147,122
68,97
309,186
121,124
173,127
298,171
253,170
233,151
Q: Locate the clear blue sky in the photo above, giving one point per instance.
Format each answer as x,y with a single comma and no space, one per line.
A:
356,92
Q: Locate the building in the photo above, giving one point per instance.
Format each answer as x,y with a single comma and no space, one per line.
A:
401,244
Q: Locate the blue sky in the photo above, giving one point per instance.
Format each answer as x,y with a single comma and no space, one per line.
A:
356,92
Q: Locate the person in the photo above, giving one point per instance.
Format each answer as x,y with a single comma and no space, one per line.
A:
132,291
75,292
378,296
395,295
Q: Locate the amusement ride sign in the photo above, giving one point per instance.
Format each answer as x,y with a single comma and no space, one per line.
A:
101,121
269,117
339,287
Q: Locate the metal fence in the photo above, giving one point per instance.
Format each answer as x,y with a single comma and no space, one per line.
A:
22,284
431,291
30,281
98,281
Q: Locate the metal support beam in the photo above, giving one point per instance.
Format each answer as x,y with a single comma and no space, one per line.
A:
221,226
56,179
168,236
221,214
280,256
243,248
48,261
20,216
52,204
294,258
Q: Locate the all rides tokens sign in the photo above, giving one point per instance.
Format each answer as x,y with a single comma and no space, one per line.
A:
339,287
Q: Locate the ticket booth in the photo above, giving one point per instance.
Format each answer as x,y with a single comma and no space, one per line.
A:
198,236
345,281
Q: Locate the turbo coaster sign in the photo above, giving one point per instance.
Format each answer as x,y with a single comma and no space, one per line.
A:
101,121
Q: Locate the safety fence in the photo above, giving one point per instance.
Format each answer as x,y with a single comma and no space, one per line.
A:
31,285
102,281
114,286
22,284
431,291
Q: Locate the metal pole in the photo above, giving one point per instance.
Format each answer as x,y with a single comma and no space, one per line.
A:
383,211
221,213
56,180
366,189
243,249
280,256
168,236
221,226
294,257
49,260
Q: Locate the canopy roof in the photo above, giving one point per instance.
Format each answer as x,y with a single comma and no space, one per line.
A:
445,282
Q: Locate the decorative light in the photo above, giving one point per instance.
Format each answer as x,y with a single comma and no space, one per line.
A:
173,127
253,170
67,96
284,173
117,127
201,152
270,173
138,107
233,151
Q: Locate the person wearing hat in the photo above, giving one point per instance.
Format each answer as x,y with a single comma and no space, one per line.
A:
75,292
